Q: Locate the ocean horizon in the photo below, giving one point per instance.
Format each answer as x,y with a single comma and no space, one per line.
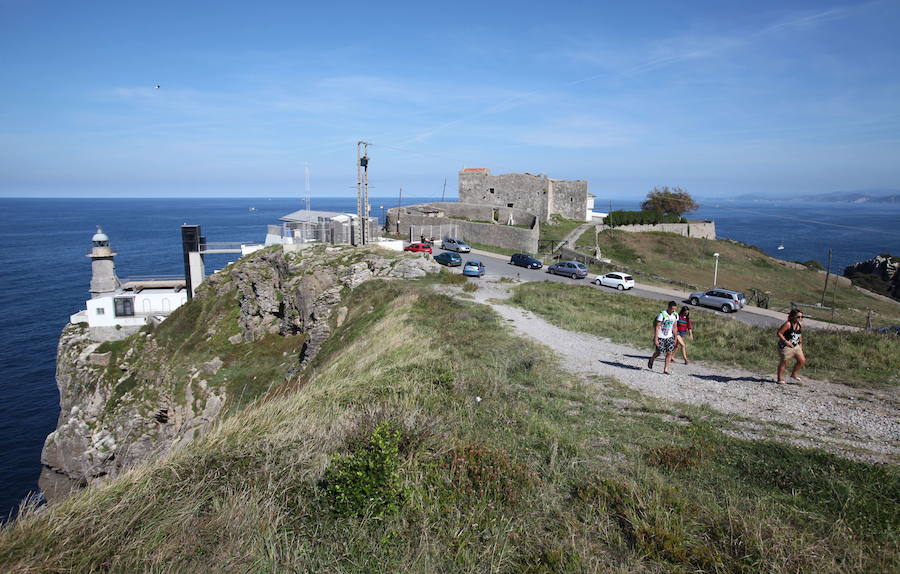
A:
45,240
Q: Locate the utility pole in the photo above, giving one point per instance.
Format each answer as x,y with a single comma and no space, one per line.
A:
362,193
308,227
399,203
827,274
444,190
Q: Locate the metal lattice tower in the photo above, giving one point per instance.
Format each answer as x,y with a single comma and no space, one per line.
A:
362,193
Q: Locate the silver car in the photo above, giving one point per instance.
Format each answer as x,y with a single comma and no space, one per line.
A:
726,300
454,244
573,269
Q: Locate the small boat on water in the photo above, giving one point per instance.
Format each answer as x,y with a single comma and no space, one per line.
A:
781,246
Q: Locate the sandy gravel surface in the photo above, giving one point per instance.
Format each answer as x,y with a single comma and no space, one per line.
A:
857,423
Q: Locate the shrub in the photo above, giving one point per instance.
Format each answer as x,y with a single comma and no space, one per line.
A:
367,479
619,217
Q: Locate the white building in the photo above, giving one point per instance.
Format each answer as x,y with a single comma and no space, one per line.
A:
117,309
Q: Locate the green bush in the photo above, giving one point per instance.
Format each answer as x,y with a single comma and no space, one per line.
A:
367,479
620,217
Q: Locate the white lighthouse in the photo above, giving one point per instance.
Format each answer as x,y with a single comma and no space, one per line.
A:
117,309
103,279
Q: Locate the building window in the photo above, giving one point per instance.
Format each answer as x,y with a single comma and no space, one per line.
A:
509,205
100,311
492,190
124,306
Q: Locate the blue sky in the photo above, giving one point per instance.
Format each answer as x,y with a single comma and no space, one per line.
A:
721,98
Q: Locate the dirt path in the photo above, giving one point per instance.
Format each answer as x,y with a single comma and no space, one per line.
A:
857,423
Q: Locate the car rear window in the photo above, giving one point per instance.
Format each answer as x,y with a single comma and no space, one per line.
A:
628,278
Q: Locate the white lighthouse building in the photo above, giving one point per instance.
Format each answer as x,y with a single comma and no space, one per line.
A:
117,308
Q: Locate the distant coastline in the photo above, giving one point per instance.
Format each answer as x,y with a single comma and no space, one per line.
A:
859,196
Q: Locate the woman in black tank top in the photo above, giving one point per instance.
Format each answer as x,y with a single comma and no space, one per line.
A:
790,345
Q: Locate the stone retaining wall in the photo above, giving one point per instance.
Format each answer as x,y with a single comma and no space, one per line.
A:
698,229
410,219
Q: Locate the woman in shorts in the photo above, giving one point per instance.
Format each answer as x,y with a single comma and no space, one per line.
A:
684,326
790,345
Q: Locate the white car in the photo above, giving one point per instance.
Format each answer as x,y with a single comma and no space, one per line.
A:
620,281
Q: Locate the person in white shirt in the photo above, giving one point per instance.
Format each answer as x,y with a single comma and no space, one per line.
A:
664,336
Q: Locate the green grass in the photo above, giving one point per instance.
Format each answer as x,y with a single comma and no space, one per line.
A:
858,359
558,228
545,473
492,249
656,257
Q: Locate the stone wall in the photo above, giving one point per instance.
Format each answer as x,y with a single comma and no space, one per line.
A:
568,198
698,229
410,219
535,194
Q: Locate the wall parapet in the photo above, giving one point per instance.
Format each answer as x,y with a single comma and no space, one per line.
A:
696,229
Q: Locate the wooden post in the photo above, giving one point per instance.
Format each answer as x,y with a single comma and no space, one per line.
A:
827,274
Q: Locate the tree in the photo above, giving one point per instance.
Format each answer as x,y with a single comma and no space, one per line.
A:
674,201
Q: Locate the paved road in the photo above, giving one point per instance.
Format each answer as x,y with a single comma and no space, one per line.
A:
497,266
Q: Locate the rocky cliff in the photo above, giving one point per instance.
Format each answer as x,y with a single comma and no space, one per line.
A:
879,274
264,318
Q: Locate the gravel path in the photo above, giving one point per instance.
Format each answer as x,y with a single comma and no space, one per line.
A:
857,423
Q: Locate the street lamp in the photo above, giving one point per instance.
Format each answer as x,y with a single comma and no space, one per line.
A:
716,273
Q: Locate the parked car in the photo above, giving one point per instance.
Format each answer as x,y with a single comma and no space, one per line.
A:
725,299
892,330
525,260
418,247
573,269
620,281
449,258
473,268
454,244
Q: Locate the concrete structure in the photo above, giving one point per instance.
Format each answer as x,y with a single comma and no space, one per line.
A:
194,246
505,227
118,308
536,194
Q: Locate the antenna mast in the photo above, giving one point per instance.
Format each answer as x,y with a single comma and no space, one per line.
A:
308,219
362,193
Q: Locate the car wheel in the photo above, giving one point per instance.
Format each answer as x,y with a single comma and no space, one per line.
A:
620,287
726,308
695,301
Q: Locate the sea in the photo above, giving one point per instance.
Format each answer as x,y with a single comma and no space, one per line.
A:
43,243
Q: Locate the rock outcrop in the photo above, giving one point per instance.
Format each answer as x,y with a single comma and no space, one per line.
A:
254,325
879,274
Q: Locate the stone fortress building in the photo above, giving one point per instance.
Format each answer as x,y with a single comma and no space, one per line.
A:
501,210
536,194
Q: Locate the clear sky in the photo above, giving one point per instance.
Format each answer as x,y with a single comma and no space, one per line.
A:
721,97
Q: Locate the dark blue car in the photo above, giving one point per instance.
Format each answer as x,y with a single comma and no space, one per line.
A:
449,258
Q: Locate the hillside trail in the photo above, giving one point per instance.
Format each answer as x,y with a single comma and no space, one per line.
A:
862,424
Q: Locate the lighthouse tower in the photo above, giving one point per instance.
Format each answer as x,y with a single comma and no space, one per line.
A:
104,279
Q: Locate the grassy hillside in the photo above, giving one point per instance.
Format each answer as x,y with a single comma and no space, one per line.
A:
426,438
690,263
859,359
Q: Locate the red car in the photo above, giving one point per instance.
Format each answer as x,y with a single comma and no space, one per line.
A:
418,247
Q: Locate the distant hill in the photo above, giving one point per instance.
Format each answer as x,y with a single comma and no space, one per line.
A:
861,196
858,196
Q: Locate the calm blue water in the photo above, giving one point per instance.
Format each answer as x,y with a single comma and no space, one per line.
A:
44,270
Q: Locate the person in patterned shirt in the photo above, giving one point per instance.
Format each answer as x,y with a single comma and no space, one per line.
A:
664,336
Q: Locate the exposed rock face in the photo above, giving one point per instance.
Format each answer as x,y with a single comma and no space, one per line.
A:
125,402
879,274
